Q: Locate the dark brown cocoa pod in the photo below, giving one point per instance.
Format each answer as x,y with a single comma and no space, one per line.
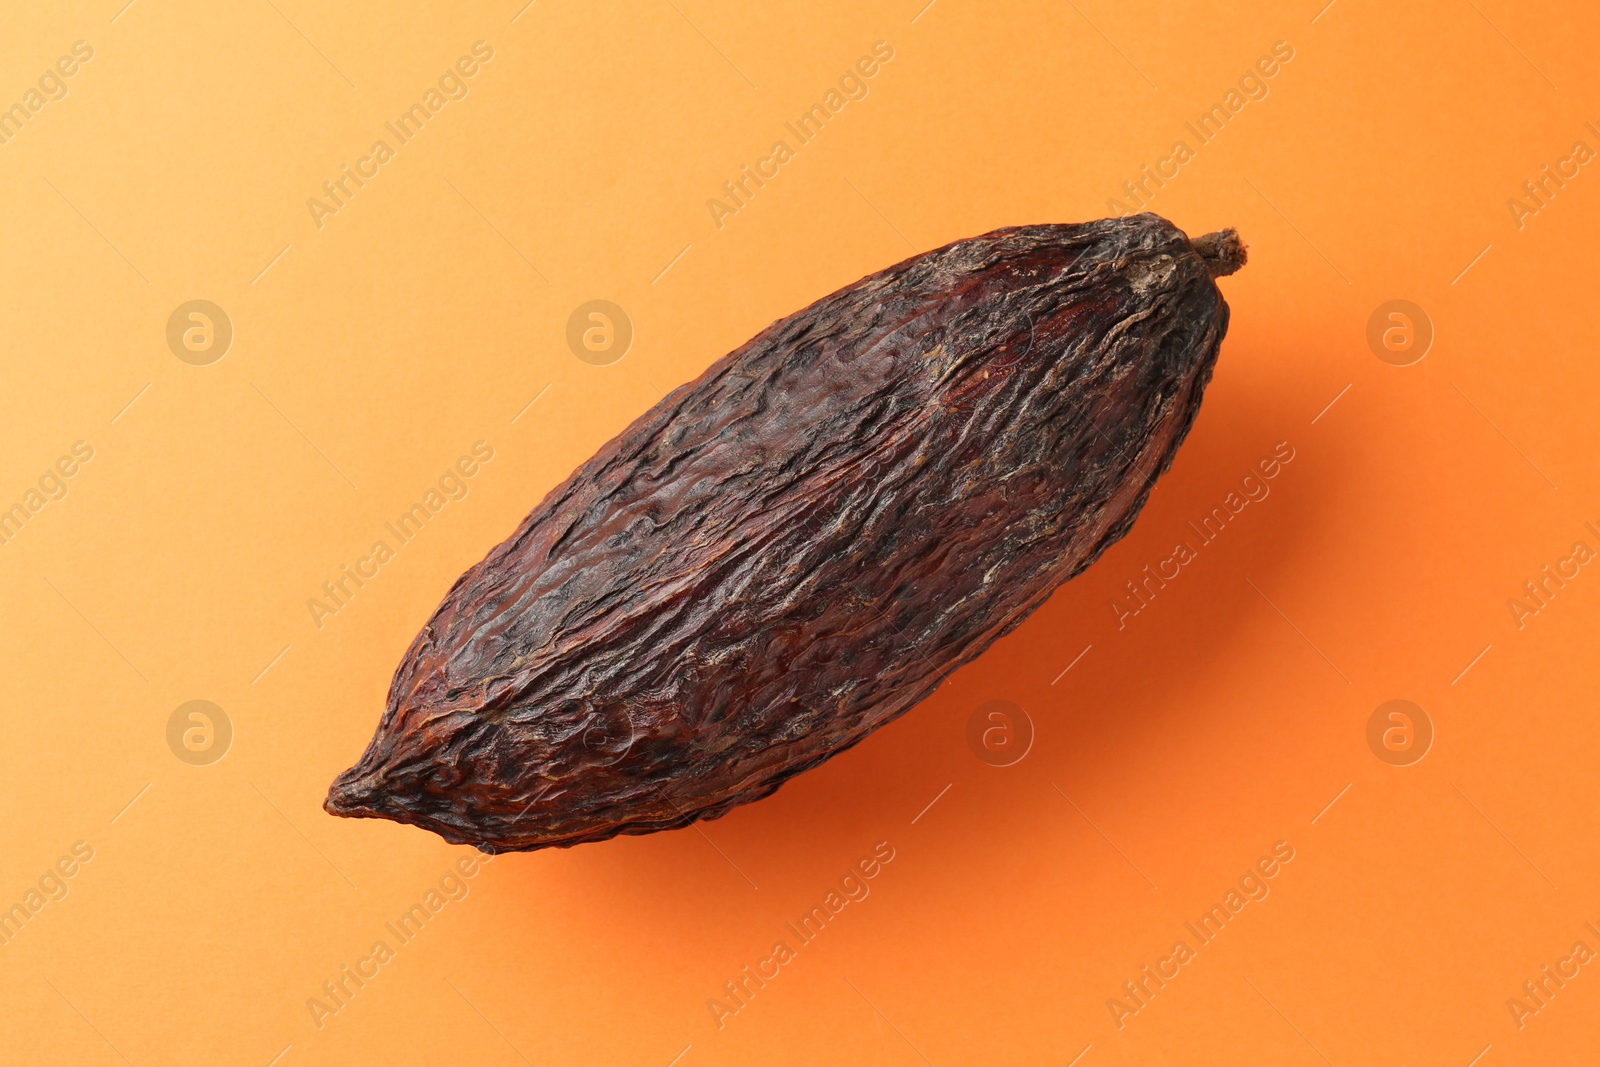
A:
797,547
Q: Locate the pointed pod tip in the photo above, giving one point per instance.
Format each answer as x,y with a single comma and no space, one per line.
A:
1224,252
354,796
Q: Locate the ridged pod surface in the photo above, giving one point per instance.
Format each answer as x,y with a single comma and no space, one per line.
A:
797,547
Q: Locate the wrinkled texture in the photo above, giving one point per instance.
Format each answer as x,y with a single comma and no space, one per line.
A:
794,549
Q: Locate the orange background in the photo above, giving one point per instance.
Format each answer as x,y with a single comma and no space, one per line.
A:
370,353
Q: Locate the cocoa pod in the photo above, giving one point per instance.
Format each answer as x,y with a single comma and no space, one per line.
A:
798,546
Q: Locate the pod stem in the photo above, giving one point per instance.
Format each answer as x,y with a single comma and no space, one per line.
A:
1223,251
